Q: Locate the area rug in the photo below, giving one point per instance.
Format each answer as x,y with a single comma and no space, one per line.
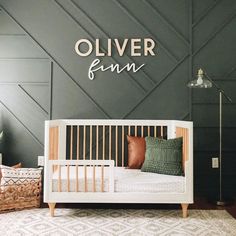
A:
116,222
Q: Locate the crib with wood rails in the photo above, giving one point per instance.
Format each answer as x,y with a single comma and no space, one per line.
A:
85,162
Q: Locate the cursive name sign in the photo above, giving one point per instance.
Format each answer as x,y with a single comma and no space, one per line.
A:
138,47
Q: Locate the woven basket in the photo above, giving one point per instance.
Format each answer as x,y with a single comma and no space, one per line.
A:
15,197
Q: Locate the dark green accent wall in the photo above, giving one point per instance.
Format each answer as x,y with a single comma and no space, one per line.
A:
41,77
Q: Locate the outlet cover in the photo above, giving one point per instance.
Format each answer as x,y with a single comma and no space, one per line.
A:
40,160
215,162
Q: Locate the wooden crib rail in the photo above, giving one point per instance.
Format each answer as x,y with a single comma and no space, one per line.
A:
53,143
94,164
184,132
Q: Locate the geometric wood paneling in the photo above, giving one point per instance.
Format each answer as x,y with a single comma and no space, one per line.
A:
42,77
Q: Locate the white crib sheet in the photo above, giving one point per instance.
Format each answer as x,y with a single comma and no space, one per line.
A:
126,180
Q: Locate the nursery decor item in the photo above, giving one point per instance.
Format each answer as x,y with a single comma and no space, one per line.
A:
136,151
20,187
91,165
204,81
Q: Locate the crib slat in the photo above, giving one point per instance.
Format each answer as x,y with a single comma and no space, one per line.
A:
102,178
77,178
183,132
51,144
162,131
85,179
103,142
135,130
84,151
97,136
68,178
148,130
91,141
71,142
59,179
94,180
129,130
110,142
77,149
155,131
116,145
123,145
142,131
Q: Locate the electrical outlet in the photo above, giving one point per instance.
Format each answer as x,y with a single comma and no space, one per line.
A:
40,160
215,162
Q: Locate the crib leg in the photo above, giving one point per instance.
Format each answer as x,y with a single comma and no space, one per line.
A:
184,209
52,208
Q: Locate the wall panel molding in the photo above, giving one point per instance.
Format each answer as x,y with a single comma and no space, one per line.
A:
38,62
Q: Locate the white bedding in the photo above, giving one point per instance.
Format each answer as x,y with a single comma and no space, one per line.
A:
126,180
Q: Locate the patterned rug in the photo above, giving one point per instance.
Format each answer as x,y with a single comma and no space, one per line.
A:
116,222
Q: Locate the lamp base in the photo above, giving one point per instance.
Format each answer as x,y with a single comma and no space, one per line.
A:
222,202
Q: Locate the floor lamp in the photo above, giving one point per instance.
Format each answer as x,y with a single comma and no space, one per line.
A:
204,81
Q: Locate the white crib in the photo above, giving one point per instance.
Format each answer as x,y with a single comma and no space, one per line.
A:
83,159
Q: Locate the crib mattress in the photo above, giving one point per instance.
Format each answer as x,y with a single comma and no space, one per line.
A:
126,180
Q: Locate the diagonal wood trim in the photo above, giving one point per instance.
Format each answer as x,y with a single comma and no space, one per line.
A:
166,21
185,116
167,51
134,81
154,87
56,62
108,36
227,75
29,131
29,96
214,34
205,13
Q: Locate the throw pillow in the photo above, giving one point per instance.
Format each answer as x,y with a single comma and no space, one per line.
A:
136,151
15,166
163,156
12,176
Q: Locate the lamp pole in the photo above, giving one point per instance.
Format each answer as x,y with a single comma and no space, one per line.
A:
200,82
220,202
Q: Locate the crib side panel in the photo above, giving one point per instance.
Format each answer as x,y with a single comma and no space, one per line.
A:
106,142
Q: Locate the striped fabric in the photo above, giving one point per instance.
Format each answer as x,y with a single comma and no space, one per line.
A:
11,176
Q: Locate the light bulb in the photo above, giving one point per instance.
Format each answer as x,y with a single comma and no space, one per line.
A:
199,80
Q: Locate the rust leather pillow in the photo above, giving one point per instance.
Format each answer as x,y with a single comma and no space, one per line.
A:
136,151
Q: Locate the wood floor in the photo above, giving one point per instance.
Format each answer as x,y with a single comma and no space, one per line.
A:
201,203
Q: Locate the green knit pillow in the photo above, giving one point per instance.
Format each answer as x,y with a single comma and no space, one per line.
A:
163,156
